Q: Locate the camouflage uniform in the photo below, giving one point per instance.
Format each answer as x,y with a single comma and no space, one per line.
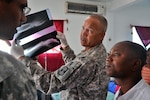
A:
83,77
16,82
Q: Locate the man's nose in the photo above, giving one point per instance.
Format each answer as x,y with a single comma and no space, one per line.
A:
23,18
109,58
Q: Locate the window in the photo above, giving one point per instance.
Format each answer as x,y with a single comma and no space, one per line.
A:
136,38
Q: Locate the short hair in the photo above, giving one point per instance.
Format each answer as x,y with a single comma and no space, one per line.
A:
101,19
148,49
137,50
8,1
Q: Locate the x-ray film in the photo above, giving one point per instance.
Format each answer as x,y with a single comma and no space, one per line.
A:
37,34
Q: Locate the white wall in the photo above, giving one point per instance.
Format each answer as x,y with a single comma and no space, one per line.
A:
57,8
119,20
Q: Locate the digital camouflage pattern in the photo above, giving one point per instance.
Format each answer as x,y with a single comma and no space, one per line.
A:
87,82
16,82
91,79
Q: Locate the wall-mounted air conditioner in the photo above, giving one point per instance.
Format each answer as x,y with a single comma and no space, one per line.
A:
72,7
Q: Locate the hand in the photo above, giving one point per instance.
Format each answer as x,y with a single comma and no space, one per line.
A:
49,41
16,50
146,73
62,39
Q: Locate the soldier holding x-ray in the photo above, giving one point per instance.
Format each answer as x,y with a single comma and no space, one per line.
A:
83,76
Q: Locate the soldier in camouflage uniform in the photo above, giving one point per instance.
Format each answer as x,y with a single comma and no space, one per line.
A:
16,82
83,76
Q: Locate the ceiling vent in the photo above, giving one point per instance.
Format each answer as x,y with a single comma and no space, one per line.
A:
84,8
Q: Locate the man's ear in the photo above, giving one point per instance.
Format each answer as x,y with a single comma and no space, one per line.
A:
102,35
136,65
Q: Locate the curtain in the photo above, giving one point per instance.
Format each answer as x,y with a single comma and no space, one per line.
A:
52,59
144,34
59,25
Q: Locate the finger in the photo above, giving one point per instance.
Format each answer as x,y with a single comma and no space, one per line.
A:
60,36
59,33
13,43
17,42
8,42
146,70
146,75
147,65
148,81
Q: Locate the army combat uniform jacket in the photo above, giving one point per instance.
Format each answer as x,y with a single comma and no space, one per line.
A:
83,77
16,83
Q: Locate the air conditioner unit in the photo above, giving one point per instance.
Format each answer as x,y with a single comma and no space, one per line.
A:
81,8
